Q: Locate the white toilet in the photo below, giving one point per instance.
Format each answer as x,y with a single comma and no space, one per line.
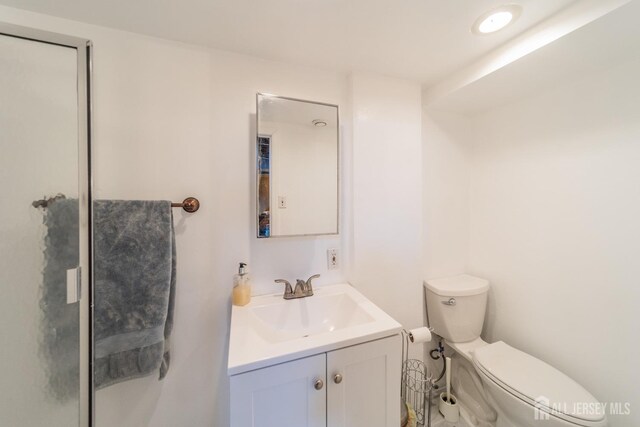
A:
498,385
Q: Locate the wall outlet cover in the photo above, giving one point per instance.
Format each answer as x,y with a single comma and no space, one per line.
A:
332,259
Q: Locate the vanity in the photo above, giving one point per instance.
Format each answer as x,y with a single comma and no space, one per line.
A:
330,360
308,357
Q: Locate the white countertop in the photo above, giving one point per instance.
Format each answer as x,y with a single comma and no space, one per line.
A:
254,344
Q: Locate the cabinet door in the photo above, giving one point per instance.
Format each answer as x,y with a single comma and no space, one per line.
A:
281,396
367,393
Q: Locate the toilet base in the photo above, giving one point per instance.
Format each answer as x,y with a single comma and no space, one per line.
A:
467,385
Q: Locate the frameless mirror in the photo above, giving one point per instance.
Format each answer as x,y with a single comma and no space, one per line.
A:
296,167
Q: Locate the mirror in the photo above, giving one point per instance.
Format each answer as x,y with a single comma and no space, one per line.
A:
296,167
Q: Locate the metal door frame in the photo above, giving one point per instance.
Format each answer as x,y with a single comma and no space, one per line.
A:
84,50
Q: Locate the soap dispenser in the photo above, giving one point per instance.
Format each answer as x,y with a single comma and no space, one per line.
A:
241,286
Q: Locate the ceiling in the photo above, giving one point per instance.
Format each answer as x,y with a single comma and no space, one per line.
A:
420,40
602,44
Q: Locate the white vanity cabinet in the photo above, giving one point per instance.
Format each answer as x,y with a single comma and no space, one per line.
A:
281,395
367,393
356,386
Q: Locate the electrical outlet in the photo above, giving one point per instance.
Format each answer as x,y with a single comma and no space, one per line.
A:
332,259
282,202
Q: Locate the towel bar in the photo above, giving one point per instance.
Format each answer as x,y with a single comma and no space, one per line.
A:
190,204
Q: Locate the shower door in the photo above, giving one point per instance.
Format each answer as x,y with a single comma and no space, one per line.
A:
45,344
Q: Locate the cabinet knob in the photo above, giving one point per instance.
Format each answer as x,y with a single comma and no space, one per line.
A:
337,378
318,384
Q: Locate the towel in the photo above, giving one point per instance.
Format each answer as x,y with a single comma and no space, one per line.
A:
134,289
412,418
59,323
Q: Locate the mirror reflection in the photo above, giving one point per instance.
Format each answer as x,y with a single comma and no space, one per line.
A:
297,167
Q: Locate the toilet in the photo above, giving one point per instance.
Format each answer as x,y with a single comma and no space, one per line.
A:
498,385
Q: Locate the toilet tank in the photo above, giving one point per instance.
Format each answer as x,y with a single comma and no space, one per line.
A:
456,306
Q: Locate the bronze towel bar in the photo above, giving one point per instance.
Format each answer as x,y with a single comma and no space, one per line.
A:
190,204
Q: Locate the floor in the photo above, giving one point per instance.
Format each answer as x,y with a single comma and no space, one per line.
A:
438,421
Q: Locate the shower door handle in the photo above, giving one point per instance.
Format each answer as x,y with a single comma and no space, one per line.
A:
73,285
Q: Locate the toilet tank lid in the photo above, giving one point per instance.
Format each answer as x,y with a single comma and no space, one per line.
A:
457,286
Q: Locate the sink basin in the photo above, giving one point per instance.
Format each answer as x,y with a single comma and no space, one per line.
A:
305,317
272,330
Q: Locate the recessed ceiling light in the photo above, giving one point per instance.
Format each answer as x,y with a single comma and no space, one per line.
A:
319,123
496,19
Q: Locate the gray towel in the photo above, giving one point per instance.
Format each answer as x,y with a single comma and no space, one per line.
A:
134,289
60,332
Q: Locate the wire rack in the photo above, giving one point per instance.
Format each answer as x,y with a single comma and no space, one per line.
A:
416,384
416,389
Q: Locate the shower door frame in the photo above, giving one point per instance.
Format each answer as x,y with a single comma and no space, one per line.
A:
84,49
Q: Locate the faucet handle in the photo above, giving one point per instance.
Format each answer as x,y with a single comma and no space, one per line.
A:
309,285
288,290
301,288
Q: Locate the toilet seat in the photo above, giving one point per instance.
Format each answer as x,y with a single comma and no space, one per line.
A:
538,384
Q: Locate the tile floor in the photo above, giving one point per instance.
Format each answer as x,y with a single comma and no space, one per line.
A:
438,421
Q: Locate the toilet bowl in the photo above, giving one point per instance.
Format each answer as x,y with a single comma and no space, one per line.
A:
527,391
496,384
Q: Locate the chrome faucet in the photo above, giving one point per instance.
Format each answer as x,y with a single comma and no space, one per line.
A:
303,289
308,288
288,291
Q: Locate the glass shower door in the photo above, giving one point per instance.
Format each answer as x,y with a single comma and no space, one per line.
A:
44,345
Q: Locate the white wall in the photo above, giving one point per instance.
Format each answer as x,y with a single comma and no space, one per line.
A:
236,79
446,144
386,246
541,197
172,120
555,208
446,156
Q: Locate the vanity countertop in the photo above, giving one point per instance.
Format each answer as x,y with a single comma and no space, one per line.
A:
270,330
